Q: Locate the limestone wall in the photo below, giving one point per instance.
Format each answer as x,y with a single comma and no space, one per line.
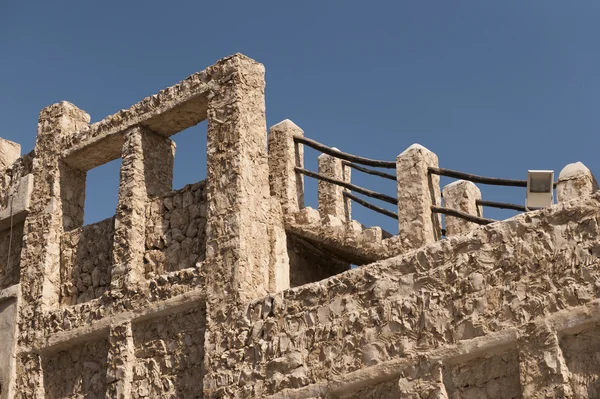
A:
19,169
192,285
86,262
175,230
169,356
581,356
495,376
77,372
454,290
10,263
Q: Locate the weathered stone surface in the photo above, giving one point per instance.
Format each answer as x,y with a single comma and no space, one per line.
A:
461,195
169,355
8,313
575,180
77,372
331,196
86,265
418,190
186,293
9,153
176,230
284,155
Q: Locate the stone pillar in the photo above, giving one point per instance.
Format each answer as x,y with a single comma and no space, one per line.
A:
575,180
284,155
9,153
238,246
543,371
347,173
8,323
331,196
121,357
417,192
30,377
422,380
461,195
40,283
146,171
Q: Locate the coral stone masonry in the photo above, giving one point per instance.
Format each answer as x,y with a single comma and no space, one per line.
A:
232,288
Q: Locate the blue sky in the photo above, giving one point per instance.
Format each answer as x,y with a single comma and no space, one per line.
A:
493,87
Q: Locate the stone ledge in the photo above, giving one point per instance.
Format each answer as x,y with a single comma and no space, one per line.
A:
9,293
349,241
62,339
20,205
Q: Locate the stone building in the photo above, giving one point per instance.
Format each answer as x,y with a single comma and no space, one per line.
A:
232,288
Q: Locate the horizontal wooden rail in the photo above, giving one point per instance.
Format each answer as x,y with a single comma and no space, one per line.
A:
462,215
349,186
478,179
343,155
501,205
370,171
370,206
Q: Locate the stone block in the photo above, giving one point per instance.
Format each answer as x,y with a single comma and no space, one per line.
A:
9,153
462,196
575,180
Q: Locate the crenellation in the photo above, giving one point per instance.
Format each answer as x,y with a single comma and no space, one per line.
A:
231,287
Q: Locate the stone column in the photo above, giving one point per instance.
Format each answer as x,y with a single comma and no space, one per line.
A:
543,371
284,155
422,380
146,171
238,245
575,180
121,356
461,195
331,196
417,191
40,283
30,377
9,153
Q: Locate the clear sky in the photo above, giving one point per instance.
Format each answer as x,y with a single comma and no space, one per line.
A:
493,87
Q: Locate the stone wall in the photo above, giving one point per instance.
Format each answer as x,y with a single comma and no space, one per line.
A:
86,262
582,357
495,376
169,356
453,290
8,312
192,285
77,372
175,230
10,264
16,171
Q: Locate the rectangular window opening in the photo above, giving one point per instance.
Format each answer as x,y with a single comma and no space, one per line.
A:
101,192
190,155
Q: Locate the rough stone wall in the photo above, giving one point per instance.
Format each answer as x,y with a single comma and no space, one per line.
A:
77,372
169,356
582,356
10,263
86,262
508,310
494,376
453,290
12,174
8,312
176,230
